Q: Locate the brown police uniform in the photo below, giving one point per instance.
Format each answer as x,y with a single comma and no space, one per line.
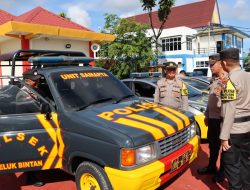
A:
172,93
213,114
236,124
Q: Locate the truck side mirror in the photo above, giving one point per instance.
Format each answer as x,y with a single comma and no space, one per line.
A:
45,109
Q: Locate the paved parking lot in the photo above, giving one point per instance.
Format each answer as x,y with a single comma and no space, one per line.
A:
58,180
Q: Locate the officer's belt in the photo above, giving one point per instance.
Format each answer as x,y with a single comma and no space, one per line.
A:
242,119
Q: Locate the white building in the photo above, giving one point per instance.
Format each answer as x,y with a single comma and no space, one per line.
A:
43,30
192,33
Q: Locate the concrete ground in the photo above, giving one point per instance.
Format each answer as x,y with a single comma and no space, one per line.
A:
58,180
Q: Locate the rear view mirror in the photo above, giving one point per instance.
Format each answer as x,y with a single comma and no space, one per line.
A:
45,109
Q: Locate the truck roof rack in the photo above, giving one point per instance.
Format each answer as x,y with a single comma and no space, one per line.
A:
24,55
45,57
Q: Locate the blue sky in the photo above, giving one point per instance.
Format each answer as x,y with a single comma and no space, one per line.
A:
91,13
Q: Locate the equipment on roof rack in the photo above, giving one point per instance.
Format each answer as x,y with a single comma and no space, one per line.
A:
24,55
145,75
59,60
44,57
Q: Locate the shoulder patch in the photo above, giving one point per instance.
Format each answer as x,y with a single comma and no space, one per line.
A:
184,90
229,92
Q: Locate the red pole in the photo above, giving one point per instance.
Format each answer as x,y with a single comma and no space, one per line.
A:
25,44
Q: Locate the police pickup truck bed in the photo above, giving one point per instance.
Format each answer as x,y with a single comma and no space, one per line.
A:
91,125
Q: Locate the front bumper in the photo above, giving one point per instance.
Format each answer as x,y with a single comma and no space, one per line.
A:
153,175
203,128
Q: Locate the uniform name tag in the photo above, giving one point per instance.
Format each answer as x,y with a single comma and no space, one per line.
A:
229,92
184,90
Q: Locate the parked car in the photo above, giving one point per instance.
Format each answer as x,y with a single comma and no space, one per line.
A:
201,84
144,87
90,125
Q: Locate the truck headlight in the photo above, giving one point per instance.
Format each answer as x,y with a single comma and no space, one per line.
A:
192,130
132,157
145,154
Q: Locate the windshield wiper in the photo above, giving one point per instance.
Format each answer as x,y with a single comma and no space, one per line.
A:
124,97
94,102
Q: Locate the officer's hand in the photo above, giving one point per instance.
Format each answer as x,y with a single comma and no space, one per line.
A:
225,145
206,121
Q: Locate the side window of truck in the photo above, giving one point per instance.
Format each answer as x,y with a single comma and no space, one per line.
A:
17,99
14,100
144,89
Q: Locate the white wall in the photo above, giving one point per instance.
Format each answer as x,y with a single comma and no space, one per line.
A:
190,64
178,31
5,47
10,45
213,40
6,70
59,44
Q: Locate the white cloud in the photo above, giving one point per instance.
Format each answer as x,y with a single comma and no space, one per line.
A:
107,6
238,10
240,3
183,2
79,15
129,14
121,6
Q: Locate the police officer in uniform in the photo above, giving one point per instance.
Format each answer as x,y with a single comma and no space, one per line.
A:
213,118
171,90
235,129
32,79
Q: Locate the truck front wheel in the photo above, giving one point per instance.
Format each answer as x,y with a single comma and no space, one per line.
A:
90,176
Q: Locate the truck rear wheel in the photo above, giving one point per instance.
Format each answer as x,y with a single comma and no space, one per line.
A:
90,176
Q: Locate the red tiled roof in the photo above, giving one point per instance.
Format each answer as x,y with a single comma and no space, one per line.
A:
40,15
191,15
5,17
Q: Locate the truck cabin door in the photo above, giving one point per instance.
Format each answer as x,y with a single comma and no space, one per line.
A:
28,141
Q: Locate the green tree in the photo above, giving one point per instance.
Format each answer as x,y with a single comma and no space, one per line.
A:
64,15
164,9
247,62
131,50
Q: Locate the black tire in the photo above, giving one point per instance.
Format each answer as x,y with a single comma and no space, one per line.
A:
92,176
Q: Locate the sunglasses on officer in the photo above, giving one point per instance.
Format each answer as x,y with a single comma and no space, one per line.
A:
213,62
171,69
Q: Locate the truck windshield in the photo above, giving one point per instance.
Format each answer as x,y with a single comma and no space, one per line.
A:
81,89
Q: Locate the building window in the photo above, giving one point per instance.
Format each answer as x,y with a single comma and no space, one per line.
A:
189,42
179,64
228,40
201,64
239,44
171,44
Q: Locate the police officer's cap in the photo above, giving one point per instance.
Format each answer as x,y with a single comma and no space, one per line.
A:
31,74
231,53
214,58
170,65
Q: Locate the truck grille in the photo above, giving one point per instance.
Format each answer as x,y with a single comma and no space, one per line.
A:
172,143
